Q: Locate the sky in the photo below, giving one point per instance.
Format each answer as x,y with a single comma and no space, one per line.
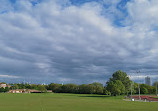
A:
77,41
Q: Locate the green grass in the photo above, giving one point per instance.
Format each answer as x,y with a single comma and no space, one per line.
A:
70,102
155,97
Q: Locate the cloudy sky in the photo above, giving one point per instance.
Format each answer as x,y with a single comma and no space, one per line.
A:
77,41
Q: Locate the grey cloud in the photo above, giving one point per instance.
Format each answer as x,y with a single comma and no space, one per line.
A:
55,43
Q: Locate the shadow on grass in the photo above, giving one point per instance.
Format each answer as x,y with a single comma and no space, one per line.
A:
95,96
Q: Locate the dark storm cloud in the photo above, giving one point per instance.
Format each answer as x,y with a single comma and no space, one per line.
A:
60,42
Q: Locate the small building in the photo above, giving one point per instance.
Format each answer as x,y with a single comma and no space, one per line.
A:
3,85
19,91
34,91
49,91
24,91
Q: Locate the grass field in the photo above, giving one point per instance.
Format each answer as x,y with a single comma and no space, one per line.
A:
70,102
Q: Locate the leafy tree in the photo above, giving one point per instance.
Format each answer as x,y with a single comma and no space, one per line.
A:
33,86
122,76
155,84
98,88
144,90
55,87
2,89
115,87
86,89
135,88
15,86
69,88
147,89
42,88
27,86
97,84
21,86
106,92
6,89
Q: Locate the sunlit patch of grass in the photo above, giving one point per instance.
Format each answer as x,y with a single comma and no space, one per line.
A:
70,102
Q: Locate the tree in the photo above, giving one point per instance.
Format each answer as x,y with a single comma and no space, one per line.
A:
2,89
144,90
15,86
27,86
69,88
21,85
135,88
122,76
115,87
6,89
86,89
55,87
106,92
33,86
147,89
98,88
42,88
97,84
155,84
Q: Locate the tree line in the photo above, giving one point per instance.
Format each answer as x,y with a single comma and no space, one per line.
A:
94,88
6,89
118,84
